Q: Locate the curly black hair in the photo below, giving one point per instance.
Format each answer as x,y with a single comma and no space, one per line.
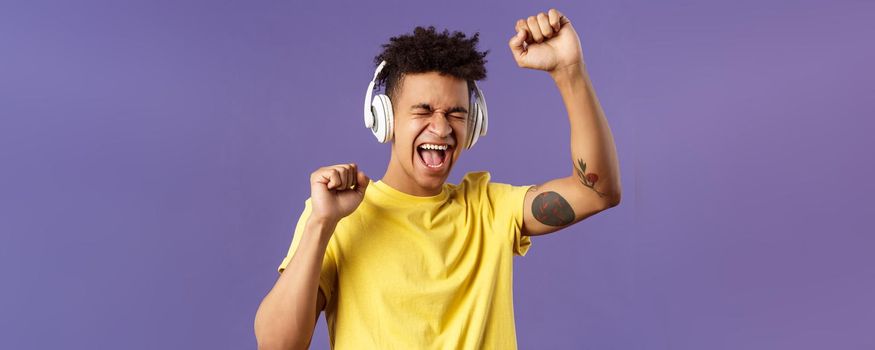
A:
427,50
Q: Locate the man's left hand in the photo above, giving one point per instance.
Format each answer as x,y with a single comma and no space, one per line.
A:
546,42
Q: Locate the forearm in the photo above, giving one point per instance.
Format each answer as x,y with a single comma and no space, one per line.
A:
287,315
592,142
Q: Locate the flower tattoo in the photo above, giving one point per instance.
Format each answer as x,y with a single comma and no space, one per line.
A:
588,180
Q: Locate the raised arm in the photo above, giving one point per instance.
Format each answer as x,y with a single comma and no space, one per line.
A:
287,316
549,42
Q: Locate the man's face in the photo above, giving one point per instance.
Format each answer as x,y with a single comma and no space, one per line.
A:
431,112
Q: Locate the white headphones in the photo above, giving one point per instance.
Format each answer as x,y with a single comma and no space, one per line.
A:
379,118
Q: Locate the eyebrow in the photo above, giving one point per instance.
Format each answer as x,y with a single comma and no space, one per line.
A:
427,107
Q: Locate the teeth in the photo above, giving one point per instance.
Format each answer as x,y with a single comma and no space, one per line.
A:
435,147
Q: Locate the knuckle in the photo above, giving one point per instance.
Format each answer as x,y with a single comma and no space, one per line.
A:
317,172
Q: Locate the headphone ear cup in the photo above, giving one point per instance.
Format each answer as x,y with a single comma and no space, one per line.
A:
484,118
390,119
379,112
369,109
476,127
382,107
480,116
473,120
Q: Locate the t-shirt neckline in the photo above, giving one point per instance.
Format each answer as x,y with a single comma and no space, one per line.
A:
393,193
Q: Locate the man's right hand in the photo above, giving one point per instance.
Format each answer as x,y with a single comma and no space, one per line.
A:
288,314
336,191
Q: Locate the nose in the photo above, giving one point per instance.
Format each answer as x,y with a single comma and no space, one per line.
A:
440,125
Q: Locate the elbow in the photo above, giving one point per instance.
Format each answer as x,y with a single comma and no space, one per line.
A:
612,199
262,346
276,343
272,340
270,337
267,346
263,338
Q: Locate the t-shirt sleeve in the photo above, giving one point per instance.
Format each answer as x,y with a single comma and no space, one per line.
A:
507,203
329,265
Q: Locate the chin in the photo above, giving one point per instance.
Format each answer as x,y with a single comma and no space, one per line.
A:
431,182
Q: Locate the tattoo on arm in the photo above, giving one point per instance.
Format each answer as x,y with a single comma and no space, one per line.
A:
587,180
552,210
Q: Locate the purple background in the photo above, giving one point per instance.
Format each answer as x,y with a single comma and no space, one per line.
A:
155,155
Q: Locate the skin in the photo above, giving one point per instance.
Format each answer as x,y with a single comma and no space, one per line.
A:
431,108
550,208
547,42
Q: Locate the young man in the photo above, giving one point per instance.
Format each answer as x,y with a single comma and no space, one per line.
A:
411,262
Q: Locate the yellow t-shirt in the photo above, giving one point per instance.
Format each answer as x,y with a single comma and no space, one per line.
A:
408,272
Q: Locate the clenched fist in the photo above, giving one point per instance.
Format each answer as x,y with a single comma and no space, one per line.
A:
336,191
546,42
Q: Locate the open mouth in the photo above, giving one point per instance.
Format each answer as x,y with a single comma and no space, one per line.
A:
434,156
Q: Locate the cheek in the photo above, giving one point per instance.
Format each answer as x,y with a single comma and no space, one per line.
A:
459,131
406,134
400,130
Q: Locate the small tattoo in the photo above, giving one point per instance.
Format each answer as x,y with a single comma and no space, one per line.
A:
552,210
587,180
